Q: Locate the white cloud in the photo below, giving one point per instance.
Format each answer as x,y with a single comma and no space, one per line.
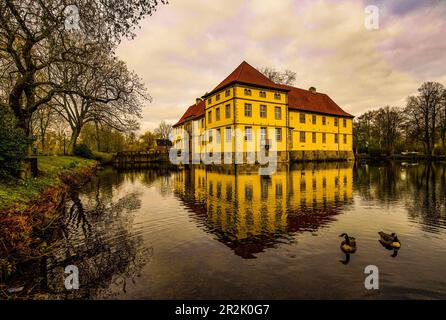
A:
188,47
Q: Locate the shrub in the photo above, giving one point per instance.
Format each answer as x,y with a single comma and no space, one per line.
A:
83,151
102,157
438,151
13,145
71,165
375,151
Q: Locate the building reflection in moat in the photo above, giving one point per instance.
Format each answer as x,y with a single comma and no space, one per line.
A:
249,213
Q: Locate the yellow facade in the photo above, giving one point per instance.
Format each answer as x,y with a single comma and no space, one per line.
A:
314,127
235,109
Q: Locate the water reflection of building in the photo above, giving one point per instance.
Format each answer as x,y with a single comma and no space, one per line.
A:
249,212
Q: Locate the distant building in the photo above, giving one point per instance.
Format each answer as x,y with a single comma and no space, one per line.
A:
302,124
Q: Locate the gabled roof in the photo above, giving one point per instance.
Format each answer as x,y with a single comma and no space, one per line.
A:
300,99
193,112
246,74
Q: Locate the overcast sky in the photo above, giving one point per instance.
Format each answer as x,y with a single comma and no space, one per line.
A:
189,46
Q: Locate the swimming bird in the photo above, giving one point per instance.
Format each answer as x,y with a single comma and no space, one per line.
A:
389,240
349,244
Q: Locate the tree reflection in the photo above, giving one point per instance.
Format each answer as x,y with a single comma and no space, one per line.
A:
422,187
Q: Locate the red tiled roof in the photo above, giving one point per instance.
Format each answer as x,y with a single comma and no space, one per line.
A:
300,99
245,73
194,111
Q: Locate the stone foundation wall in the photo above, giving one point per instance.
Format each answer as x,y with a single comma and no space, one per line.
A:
300,156
297,156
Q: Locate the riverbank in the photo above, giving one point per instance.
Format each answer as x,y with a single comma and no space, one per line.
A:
30,210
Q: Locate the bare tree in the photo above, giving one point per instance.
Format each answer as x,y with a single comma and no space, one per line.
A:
36,36
286,77
108,94
387,122
423,113
442,124
163,131
41,121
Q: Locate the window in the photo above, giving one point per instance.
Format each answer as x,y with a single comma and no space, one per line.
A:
217,97
262,111
277,96
248,192
264,188
324,121
248,110
248,133
278,113
202,123
278,134
313,119
218,136
302,117
227,93
248,92
344,123
279,190
219,190
210,117
345,139
228,110
228,134
336,122
209,100
336,137
210,135
263,134
302,136
217,114
313,137
228,192
262,94
324,137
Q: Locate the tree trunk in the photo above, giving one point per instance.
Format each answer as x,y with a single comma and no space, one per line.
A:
98,138
73,140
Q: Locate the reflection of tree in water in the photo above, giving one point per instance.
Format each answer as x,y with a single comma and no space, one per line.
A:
98,239
428,195
250,215
381,182
422,187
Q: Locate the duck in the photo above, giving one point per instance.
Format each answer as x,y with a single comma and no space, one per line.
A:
349,244
389,240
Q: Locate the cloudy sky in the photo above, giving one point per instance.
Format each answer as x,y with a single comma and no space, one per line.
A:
188,46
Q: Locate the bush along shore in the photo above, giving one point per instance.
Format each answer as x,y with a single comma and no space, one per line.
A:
30,215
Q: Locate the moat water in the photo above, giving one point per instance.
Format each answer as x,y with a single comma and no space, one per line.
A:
232,234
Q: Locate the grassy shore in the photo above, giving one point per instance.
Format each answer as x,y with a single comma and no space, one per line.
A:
30,211
17,193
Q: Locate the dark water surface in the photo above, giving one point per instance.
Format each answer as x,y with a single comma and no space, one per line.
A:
206,234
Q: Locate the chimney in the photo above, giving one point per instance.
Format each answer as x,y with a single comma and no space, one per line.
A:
197,101
312,90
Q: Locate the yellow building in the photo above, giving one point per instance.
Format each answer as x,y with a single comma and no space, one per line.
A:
247,113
